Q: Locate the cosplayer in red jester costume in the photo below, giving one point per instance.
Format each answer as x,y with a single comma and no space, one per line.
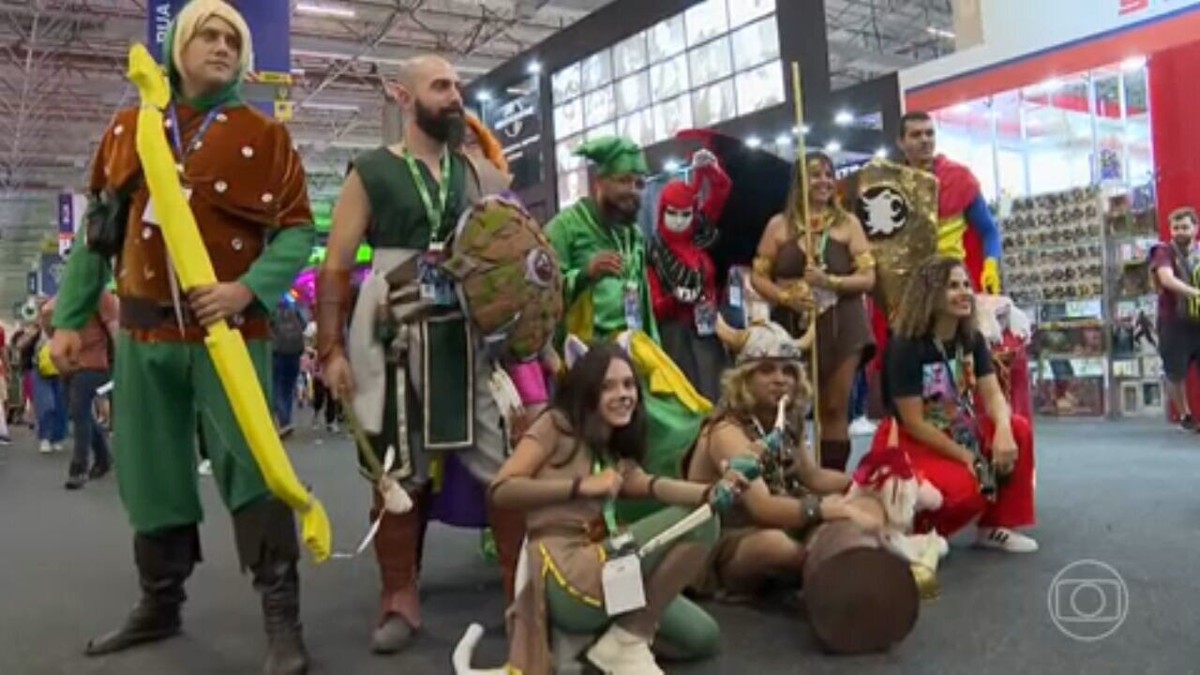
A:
683,278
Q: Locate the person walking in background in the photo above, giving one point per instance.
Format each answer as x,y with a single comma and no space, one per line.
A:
287,334
323,399
49,397
80,387
4,375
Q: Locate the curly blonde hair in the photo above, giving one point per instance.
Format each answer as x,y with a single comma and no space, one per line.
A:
738,402
924,295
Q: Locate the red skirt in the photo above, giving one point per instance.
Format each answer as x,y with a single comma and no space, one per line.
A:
962,502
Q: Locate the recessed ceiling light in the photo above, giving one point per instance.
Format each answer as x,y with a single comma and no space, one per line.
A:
671,165
843,118
881,153
783,140
833,147
753,142
484,96
534,68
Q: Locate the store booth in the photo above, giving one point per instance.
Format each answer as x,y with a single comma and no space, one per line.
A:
1079,125
653,68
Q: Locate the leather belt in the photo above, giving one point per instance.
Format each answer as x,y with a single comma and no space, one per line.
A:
143,314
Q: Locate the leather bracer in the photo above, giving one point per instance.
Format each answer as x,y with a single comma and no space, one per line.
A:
333,312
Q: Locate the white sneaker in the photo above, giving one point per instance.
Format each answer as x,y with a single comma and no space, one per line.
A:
45,448
205,468
619,652
1004,539
862,427
334,428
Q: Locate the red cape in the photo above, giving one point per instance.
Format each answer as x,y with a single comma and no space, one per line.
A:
957,188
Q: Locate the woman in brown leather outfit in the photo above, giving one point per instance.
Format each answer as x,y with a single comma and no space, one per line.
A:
844,272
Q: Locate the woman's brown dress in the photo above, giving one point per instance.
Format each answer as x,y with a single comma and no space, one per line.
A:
843,331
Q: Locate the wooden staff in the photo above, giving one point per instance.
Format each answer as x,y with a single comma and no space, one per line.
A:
810,245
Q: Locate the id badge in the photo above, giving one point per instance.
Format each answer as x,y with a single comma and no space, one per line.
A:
149,217
706,318
633,308
436,285
624,591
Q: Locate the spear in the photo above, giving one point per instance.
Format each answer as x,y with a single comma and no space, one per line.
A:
810,246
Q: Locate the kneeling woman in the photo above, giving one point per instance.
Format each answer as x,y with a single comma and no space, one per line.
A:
764,537
566,472
937,367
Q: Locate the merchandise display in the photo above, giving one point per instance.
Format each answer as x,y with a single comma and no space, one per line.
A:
1080,259
1053,245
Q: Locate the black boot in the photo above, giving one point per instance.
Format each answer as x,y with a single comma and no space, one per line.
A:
164,560
267,546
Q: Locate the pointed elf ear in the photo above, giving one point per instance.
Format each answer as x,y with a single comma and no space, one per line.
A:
573,350
624,340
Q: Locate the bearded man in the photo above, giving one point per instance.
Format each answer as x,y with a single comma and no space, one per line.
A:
420,378
601,249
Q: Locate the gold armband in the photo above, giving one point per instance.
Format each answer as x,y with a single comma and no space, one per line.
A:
763,264
864,261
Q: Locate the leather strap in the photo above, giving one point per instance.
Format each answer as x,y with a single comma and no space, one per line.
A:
333,312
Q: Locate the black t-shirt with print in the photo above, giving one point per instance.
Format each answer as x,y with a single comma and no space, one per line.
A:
915,367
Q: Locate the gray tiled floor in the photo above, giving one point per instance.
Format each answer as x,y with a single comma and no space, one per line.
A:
1123,493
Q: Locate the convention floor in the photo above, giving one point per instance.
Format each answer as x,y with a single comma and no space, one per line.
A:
1123,494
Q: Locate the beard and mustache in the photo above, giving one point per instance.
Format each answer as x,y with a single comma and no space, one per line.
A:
444,126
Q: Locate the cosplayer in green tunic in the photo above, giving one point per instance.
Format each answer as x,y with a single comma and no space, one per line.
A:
601,248
249,198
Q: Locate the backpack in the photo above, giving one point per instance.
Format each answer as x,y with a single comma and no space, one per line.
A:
287,331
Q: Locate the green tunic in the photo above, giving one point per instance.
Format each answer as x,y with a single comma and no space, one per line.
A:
165,388
596,308
398,218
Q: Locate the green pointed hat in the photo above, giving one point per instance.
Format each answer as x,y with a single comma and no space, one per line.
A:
614,155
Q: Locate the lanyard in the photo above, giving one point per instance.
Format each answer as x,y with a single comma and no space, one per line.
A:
433,213
177,133
610,505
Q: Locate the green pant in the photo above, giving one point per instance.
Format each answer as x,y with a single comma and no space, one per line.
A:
159,389
686,630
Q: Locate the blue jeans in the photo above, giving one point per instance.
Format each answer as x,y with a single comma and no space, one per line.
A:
50,404
285,369
88,434
858,395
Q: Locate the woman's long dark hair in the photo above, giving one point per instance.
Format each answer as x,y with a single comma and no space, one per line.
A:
924,295
578,400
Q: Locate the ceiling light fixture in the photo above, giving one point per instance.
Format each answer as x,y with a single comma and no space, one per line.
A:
844,118
783,140
325,10
671,165
753,142
941,32
484,96
337,107
881,153
962,108
833,147
805,130
535,67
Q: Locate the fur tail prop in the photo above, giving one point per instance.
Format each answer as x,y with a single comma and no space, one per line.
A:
466,649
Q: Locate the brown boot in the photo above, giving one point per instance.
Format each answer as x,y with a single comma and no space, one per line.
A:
835,454
398,545
165,560
267,546
508,529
